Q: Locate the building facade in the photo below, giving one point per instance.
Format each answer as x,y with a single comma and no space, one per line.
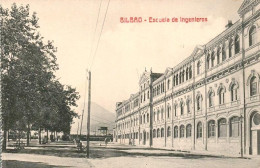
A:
210,101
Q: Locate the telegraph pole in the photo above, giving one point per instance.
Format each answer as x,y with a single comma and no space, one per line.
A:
89,103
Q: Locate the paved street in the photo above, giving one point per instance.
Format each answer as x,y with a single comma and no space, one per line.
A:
66,155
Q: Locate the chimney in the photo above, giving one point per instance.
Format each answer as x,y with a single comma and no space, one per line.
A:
229,24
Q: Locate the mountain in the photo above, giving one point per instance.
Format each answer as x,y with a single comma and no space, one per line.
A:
99,117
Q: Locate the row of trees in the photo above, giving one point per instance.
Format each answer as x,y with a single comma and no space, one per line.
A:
31,94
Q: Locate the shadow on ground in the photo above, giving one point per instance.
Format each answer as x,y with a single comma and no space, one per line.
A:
22,164
100,152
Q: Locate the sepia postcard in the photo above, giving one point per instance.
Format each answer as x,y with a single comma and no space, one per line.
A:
130,83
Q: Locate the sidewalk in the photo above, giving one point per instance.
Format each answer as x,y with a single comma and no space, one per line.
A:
165,150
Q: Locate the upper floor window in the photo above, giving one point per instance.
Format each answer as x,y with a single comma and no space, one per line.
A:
233,92
253,86
176,79
221,96
183,74
223,52
230,48
154,116
198,67
252,36
180,77
199,102
190,72
147,117
211,99
199,130
187,73
182,107
212,58
175,110
218,55
148,95
158,114
173,81
168,111
162,113
237,44
208,61
168,84
188,105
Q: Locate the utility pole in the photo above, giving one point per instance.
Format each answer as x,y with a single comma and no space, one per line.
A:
88,121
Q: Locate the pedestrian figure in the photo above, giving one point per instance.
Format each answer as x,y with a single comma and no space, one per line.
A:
106,140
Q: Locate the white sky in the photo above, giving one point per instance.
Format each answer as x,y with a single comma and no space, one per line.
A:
124,49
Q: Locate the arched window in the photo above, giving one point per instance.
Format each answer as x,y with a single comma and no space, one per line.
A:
253,86
182,107
168,111
188,130
198,67
198,103
223,52
237,44
168,84
233,92
162,113
169,131
183,74
212,58
158,115
180,77
162,132
199,130
222,127
175,110
208,61
211,128
182,131
173,81
187,73
190,72
211,99
154,133
252,36
154,115
188,105
234,127
230,48
147,117
177,78
144,118
176,132
159,89
148,95
158,133
221,96
218,55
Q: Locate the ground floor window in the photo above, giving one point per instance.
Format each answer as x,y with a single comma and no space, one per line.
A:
234,126
188,130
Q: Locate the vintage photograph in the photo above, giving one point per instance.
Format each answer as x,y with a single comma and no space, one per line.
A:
130,83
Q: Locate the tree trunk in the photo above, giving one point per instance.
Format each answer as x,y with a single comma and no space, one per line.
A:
47,136
8,136
28,135
4,141
40,136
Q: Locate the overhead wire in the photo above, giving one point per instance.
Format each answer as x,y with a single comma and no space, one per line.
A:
100,35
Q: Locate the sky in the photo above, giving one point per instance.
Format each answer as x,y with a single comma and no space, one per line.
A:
125,49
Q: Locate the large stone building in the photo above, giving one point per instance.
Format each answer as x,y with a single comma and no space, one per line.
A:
209,101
